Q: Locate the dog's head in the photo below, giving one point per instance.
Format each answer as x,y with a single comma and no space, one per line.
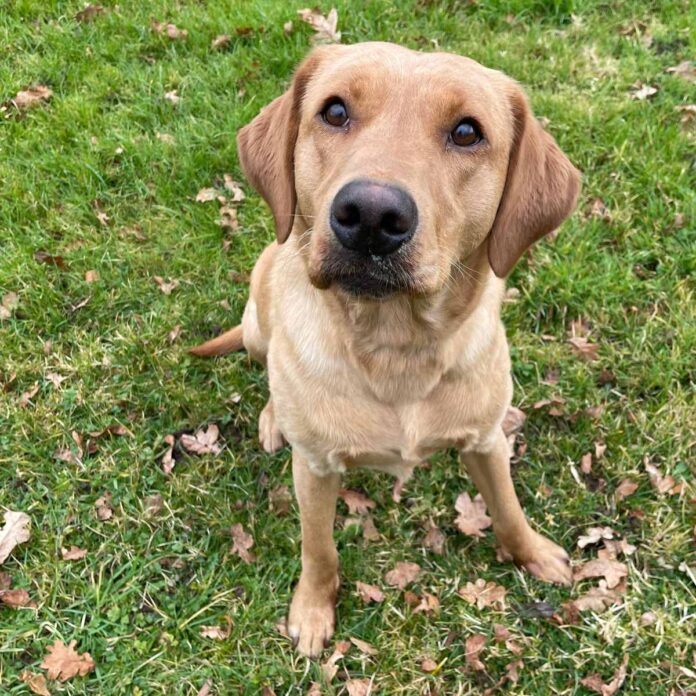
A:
395,166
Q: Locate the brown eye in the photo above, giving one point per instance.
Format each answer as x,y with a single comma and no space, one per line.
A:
466,133
335,113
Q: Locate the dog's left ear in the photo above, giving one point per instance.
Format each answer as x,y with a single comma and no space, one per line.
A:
540,191
266,147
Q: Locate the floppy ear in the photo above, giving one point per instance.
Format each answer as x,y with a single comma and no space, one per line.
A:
540,190
266,149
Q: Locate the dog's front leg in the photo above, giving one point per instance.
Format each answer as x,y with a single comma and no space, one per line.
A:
312,611
540,556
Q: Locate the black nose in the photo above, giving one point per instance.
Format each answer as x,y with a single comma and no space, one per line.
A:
373,217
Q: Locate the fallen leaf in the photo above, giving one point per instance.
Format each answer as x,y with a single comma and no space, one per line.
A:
359,687
35,682
203,442
511,670
169,29
357,503
91,276
55,379
234,188
279,500
586,463
688,113
686,70
5,580
154,504
369,593
15,598
325,28
363,646
205,195
103,506
314,689
483,594
9,303
168,462
474,646
217,632
74,553
89,13
429,604
472,518
661,484
221,41
625,488
173,97
514,420
174,333
612,549
41,256
594,681
166,286
593,535
205,689
648,618
228,218
403,574
28,395
584,349
434,538
32,96
612,571
63,662
642,92
241,543
15,531
557,404
369,529
596,599
598,209
330,667
599,449
428,664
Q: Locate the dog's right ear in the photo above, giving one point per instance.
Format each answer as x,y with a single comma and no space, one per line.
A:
266,147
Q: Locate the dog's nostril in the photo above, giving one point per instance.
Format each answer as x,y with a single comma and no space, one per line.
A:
393,223
348,215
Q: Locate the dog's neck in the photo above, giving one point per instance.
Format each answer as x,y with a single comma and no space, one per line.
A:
407,344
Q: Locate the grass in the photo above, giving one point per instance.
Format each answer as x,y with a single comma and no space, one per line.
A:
149,582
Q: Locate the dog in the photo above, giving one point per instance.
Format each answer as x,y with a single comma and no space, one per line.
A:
404,187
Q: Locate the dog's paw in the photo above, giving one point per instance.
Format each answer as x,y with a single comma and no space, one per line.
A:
311,620
542,558
270,437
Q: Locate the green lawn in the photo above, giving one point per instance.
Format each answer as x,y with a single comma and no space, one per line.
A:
109,143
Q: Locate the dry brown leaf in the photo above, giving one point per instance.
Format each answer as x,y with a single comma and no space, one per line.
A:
599,449
203,442
403,574
154,504
648,618
241,543
514,420
89,13
234,188
584,349
173,97
41,256
586,463
228,218
363,646
5,580
686,70
35,682
217,632
205,689
15,598
74,553
625,488
325,27
221,41
330,667
166,286
594,681
8,304
612,571
279,500
688,113
173,335
16,530
103,506
369,529
557,404
205,195
169,29
428,664
359,687
597,209
358,503
597,599
474,646
32,96
612,549
434,538
483,594
168,462
91,276
661,484
594,535
63,662
429,604
28,395
369,593
472,518
641,92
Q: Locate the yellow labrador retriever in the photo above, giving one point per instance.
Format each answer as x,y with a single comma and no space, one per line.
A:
404,187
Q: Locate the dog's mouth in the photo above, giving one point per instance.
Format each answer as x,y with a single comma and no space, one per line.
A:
370,277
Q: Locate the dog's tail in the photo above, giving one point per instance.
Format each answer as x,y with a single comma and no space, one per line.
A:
224,343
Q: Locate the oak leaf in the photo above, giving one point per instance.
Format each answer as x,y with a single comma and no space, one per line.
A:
625,488
203,442
474,646
472,517
15,598
35,682
103,506
358,503
369,593
403,574
16,530
32,96
74,553
593,535
242,541
63,662
613,571
483,594
434,538
594,681
514,420
325,27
